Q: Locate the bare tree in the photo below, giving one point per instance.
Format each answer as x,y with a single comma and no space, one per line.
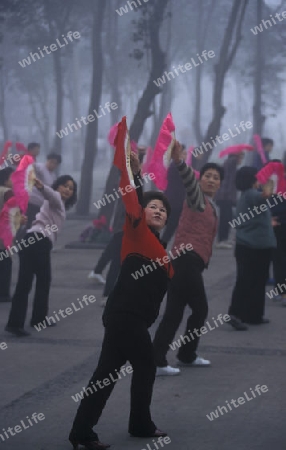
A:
92,129
231,40
158,65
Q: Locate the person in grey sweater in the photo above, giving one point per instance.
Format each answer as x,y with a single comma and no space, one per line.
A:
255,242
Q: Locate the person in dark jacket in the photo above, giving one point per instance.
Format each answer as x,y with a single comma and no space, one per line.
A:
226,198
255,241
131,309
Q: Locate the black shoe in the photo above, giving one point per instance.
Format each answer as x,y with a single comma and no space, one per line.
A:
89,444
5,299
20,332
236,323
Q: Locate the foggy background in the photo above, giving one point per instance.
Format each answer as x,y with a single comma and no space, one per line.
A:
118,56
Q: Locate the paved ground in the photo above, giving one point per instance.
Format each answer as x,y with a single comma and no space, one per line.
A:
42,372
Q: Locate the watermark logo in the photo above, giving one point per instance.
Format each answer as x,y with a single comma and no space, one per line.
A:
10,159
241,401
71,127
183,68
257,210
161,261
123,191
129,6
68,311
30,421
9,251
206,146
267,23
53,47
93,387
198,332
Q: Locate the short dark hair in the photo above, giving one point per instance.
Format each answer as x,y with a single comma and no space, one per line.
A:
55,156
213,166
5,174
61,181
267,141
156,195
245,178
33,145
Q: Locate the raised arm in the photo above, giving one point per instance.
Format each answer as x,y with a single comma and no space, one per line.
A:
194,195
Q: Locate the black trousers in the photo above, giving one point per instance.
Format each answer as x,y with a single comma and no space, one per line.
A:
105,257
126,339
225,216
111,253
279,255
248,297
115,265
34,260
5,276
186,288
172,224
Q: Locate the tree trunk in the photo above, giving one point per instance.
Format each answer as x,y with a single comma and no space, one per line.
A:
164,109
227,54
113,52
158,65
92,129
59,99
3,120
258,117
77,146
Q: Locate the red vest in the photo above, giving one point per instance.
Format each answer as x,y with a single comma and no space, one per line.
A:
199,229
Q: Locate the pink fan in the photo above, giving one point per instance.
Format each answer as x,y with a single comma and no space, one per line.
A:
10,218
259,148
162,153
23,181
271,169
235,149
3,156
